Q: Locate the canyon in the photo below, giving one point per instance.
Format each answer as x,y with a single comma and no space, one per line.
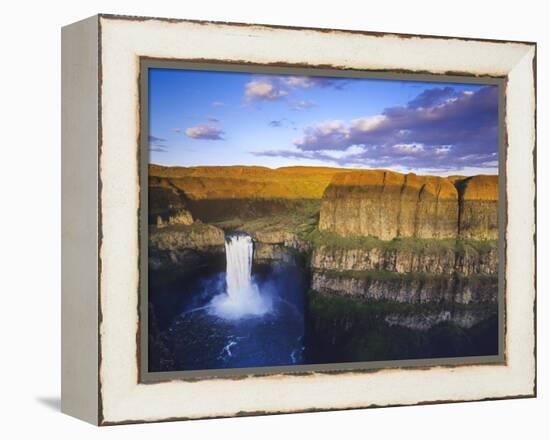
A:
364,236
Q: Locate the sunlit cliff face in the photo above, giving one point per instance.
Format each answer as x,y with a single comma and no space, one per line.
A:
388,205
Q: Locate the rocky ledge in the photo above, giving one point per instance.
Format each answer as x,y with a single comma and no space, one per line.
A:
366,235
424,321
409,288
183,247
436,258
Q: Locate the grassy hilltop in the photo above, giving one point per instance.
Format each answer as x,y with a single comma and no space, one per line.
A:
238,182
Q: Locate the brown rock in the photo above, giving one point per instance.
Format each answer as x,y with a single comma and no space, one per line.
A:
469,261
410,290
478,208
385,204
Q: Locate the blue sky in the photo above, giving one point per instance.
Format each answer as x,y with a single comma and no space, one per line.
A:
223,118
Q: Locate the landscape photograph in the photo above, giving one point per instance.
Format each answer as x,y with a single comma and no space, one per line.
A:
311,220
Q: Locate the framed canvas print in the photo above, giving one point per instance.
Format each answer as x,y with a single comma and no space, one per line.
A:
262,220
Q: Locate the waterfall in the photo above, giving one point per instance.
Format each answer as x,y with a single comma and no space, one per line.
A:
239,251
242,297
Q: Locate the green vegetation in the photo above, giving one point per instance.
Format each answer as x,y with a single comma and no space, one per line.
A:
195,228
382,275
385,275
330,239
327,305
347,329
300,219
416,245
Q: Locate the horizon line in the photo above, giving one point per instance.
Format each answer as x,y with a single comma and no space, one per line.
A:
314,166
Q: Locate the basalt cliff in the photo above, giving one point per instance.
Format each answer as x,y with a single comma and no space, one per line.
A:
369,236
388,205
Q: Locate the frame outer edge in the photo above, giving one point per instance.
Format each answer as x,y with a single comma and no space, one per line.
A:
535,201
127,17
107,422
79,213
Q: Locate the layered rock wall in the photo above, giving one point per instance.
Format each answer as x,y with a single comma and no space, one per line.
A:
466,261
446,227
407,289
386,205
478,216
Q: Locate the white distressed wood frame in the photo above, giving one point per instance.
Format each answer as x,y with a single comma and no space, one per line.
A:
101,203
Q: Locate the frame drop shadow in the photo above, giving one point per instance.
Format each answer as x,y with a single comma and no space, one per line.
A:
52,403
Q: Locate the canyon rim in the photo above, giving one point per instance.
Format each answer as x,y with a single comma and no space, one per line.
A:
301,220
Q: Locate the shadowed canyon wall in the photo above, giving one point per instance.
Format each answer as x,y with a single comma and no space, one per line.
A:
215,194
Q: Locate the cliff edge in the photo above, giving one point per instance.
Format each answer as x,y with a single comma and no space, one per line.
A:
388,205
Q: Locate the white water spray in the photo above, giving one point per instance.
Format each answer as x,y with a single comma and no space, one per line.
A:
242,297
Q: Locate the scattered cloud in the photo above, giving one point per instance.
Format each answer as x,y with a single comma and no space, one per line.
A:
409,149
335,156
206,132
157,148
156,139
282,122
439,129
218,104
156,144
435,96
302,104
444,149
308,82
263,89
324,135
273,88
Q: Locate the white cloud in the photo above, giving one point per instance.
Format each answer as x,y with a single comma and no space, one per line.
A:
367,123
308,82
444,149
207,132
263,89
330,135
302,104
409,148
350,152
272,88
299,82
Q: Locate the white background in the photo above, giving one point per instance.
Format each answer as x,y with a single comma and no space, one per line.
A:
30,217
